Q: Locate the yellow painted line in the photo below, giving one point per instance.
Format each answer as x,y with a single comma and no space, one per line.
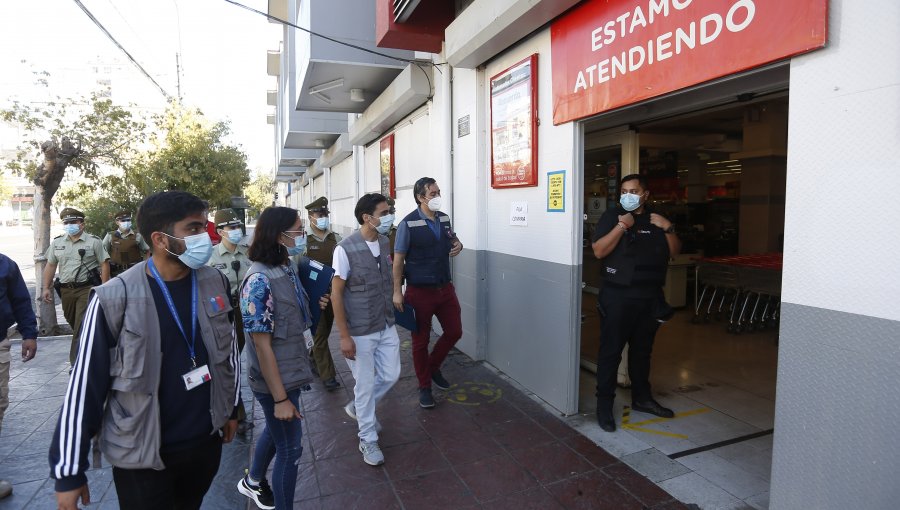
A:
651,431
677,415
638,426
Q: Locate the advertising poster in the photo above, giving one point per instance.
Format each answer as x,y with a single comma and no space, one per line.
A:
514,126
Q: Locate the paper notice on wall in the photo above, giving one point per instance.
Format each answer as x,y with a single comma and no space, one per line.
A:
518,214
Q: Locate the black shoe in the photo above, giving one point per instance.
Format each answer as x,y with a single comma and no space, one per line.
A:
606,421
652,407
261,495
438,379
244,427
331,384
425,398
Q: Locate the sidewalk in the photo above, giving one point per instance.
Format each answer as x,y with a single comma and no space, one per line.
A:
485,445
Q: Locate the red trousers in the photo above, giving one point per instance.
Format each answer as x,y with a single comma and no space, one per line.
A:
429,302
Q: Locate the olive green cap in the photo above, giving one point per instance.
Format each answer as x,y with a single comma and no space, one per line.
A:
318,205
123,214
226,217
70,213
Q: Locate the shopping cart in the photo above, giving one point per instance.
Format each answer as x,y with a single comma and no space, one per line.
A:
746,287
718,279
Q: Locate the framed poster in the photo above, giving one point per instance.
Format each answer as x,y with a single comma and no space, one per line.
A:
514,126
388,188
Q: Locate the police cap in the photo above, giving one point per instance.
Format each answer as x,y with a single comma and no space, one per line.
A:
318,205
70,213
123,215
226,218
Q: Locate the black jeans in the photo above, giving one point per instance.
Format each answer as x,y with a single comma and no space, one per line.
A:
625,320
181,486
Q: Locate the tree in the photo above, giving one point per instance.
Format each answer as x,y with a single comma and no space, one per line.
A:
260,193
191,155
81,134
6,189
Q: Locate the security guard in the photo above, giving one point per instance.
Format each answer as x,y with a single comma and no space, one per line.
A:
392,233
83,263
230,257
320,244
635,245
125,246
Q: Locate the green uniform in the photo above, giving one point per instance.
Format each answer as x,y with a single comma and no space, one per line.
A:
321,249
74,275
125,250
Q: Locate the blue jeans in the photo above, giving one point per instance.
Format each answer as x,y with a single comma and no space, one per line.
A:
280,440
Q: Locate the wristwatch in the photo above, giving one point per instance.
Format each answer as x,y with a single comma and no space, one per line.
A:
670,230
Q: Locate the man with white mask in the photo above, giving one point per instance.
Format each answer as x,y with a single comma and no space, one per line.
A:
425,242
125,246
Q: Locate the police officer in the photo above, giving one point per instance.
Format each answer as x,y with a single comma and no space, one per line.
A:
635,245
83,263
125,246
425,243
230,257
392,233
320,244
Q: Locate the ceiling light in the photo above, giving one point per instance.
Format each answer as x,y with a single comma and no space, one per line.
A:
333,84
356,95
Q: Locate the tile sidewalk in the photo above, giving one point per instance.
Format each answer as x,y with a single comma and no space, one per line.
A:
486,445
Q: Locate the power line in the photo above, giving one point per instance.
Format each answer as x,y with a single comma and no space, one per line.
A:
113,39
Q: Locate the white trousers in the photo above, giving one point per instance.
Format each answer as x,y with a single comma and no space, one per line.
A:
376,369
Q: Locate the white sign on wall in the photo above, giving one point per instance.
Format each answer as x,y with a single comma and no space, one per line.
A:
518,214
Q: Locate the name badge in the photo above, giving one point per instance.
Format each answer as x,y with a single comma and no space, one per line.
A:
196,377
307,336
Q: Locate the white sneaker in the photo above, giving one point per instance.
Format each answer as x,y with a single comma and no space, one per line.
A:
350,409
371,453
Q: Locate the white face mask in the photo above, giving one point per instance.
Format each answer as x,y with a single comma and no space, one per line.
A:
435,203
124,226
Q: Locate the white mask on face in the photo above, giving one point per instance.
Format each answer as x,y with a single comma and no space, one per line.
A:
435,203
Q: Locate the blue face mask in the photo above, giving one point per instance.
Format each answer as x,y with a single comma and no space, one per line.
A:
125,226
235,236
72,229
386,222
299,246
322,223
630,202
197,250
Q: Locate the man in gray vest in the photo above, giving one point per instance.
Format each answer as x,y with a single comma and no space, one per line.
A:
361,291
157,373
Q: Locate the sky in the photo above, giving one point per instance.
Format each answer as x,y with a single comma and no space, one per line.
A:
222,52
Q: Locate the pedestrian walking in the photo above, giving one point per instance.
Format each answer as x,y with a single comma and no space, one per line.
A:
15,308
83,263
124,246
277,318
157,374
425,242
361,290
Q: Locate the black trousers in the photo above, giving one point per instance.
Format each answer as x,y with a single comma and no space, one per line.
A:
181,486
625,320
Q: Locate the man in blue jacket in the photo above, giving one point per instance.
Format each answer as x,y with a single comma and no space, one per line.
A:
15,308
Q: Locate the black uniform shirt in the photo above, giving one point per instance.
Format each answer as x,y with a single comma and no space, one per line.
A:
640,259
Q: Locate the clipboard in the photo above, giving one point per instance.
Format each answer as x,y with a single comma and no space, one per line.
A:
316,280
406,318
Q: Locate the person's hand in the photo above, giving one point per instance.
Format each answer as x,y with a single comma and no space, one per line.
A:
348,347
29,349
627,219
286,411
398,300
47,296
660,221
323,301
229,430
69,500
457,247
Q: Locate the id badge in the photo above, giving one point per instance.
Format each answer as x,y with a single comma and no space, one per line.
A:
196,377
307,336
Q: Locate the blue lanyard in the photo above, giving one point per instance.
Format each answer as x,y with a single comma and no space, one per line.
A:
168,297
295,281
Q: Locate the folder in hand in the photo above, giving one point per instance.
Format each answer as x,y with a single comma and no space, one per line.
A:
406,318
316,279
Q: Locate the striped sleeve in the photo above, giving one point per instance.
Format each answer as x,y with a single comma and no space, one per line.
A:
82,410
236,364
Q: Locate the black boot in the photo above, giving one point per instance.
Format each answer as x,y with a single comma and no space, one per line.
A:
653,407
605,416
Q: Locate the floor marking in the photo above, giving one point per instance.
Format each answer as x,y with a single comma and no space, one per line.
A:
639,426
720,444
473,393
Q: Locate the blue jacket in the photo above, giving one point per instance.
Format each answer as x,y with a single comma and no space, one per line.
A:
15,301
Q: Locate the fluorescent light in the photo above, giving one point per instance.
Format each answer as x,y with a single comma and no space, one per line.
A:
333,84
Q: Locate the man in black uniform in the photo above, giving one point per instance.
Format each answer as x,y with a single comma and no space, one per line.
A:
635,245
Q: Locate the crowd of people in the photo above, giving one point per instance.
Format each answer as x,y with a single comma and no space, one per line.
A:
161,316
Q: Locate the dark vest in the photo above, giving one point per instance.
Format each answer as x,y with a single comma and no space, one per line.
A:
321,251
427,261
369,290
641,258
124,251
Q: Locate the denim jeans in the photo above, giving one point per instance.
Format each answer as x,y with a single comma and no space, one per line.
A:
280,440
376,369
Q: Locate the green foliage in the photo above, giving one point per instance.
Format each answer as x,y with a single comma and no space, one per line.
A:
260,193
6,189
100,209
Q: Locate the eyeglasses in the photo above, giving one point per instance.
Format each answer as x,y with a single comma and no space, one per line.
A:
294,234
632,192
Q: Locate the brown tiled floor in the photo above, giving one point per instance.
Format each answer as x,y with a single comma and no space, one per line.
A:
497,453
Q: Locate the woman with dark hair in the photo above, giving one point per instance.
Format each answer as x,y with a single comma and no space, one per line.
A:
275,309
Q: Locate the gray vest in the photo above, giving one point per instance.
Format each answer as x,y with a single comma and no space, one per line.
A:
368,294
130,434
287,333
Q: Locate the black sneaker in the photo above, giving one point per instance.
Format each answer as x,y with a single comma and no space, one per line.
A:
653,407
331,384
261,495
425,398
438,379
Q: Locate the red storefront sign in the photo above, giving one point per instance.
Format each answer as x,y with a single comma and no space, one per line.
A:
611,53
